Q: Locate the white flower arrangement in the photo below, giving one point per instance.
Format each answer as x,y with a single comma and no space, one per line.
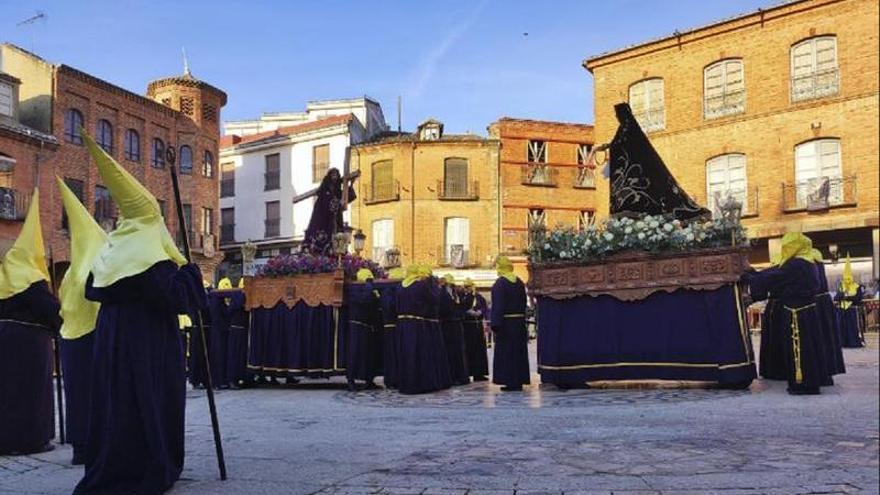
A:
655,234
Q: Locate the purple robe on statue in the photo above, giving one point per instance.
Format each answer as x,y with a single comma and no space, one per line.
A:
326,215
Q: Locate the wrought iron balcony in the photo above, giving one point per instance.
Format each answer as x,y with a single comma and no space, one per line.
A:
227,233
585,178
13,203
540,174
273,227
820,194
749,200
458,256
227,188
381,193
815,85
462,191
724,105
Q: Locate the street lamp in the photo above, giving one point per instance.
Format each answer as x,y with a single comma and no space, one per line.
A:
359,240
392,258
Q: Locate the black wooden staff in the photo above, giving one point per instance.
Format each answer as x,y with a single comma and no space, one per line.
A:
215,425
56,342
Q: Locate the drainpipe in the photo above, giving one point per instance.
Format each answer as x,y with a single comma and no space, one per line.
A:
412,200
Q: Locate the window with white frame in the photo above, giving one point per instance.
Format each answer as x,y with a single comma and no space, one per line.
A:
726,176
537,151
814,71
382,239
724,89
585,177
586,218
536,221
647,103
815,163
6,104
457,245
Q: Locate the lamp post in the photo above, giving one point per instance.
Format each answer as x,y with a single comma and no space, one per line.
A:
359,240
392,258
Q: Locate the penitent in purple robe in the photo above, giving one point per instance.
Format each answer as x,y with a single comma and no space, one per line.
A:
510,366
830,327
28,320
475,308
453,334
422,365
136,423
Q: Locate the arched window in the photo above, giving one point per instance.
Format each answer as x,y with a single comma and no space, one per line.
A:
73,122
158,154
455,178
132,145
647,102
104,135
816,163
726,176
383,180
814,71
186,159
208,164
724,89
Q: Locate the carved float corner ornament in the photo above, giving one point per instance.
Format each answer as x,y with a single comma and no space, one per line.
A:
632,276
312,289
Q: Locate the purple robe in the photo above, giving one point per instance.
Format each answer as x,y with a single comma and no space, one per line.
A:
422,364
510,366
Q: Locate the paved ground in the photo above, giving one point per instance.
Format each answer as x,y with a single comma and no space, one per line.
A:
476,440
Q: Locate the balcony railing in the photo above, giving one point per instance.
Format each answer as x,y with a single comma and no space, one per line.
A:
194,241
272,181
463,191
13,203
820,194
514,242
227,188
815,85
540,174
227,233
652,119
749,200
724,105
585,178
381,193
458,256
273,227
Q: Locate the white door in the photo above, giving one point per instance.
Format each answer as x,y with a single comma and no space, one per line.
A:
458,233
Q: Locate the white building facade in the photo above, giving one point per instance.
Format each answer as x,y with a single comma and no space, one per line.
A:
270,166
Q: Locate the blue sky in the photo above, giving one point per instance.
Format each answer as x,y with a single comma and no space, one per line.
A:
464,62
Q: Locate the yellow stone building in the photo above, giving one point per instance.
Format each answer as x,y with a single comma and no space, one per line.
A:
778,108
433,197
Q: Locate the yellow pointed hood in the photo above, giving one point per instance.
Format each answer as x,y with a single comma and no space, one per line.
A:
25,262
241,283
505,268
224,284
141,239
87,238
848,282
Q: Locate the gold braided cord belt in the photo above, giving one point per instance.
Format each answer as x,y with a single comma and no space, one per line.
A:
796,340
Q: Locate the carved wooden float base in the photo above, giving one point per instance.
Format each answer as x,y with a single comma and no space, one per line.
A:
633,276
312,289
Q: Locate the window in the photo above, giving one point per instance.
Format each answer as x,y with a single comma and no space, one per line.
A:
162,208
187,106
78,189
537,220
724,89
537,152
457,246
273,219
583,153
6,102
132,145
227,180
186,159
383,180
227,225
105,210
383,238
585,178
273,172
104,135
207,221
209,112
158,154
818,162
320,162
726,176
814,71
646,101
455,178
7,170
586,218
73,122
188,217
208,164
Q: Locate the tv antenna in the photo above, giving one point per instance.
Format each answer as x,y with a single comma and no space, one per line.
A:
30,21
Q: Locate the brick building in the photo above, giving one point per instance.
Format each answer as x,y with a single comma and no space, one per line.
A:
545,178
432,196
22,151
778,107
180,112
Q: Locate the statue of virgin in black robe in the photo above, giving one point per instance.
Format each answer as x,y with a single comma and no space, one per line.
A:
327,214
640,182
